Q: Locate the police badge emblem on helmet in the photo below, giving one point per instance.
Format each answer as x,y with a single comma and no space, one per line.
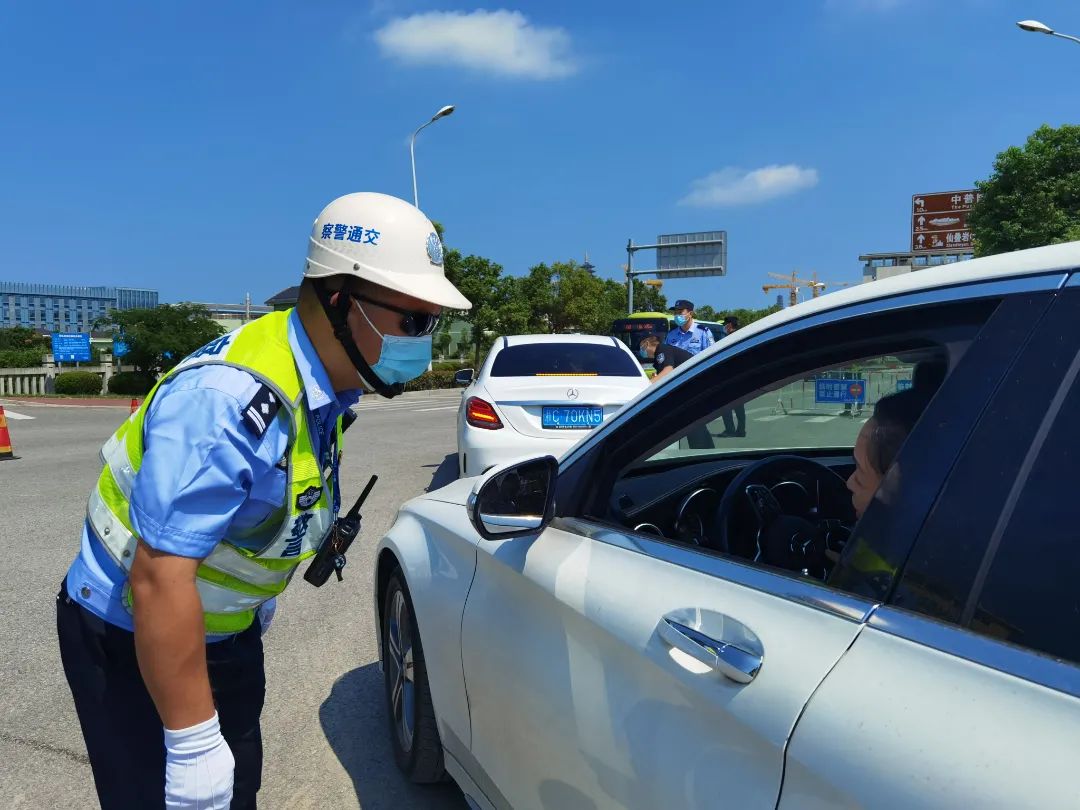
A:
435,249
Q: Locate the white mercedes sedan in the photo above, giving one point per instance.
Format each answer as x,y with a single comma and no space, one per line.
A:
539,394
869,601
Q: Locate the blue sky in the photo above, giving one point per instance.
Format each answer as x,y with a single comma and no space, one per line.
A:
188,146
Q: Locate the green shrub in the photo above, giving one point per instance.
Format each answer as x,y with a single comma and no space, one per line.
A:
431,380
78,382
131,383
21,358
452,365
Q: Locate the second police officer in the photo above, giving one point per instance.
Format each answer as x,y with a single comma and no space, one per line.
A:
688,335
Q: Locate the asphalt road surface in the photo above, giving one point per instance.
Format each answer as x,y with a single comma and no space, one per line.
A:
324,726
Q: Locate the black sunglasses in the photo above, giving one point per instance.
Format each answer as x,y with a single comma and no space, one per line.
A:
413,324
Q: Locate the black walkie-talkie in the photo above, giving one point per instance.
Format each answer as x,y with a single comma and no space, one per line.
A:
331,555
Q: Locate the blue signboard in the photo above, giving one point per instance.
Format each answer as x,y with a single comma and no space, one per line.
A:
903,385
71,347
840,392
119,347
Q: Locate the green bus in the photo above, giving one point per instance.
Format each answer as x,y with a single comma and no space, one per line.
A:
631,329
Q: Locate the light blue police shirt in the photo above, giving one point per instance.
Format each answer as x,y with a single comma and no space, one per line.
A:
694,340
204,472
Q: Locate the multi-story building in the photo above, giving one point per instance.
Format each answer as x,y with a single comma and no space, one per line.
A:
64,307
886,265
233,316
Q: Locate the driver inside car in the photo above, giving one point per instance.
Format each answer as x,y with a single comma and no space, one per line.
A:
880,440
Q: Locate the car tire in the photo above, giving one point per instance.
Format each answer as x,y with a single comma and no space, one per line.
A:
414,732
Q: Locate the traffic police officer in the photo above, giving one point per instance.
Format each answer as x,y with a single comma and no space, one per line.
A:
213,493
665,358
689,336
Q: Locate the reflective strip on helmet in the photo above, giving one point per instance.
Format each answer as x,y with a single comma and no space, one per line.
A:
229,560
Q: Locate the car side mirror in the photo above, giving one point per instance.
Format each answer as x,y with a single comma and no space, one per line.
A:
464,377
516,500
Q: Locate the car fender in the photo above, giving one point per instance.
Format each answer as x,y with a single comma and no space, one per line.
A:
434,545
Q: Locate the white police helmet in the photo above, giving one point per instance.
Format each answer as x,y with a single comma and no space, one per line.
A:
384,240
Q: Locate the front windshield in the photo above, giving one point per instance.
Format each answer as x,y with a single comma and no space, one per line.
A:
823,409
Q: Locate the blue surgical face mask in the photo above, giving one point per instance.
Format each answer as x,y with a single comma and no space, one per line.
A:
643,354
680,320
401,358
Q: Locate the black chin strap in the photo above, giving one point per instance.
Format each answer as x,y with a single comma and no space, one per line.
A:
338,315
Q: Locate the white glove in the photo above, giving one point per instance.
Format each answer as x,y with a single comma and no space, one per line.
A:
198,768
265,613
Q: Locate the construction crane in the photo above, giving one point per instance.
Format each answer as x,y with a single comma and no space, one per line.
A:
793,283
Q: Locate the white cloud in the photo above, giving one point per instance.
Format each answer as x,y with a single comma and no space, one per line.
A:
733,186
502,42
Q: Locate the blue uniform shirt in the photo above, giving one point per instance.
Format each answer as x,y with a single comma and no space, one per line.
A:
696,339
204,472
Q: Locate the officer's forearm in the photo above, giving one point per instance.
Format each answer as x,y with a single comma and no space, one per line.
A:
170,637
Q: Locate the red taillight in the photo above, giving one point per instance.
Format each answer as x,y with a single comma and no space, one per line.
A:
479,413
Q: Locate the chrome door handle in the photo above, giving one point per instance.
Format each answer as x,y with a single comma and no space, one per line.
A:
730,661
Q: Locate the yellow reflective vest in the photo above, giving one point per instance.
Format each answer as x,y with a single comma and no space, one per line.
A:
233,581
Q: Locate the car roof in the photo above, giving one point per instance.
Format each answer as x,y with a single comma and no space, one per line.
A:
525,340
1030,262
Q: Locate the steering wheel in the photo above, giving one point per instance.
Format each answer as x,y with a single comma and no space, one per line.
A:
786,541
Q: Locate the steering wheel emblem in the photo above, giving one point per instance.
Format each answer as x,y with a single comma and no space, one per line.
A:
572,393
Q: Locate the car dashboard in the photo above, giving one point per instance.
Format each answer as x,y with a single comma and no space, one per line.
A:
681,503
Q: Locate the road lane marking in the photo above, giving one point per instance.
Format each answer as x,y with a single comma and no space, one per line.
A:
15,415
444,408
819,419
771,418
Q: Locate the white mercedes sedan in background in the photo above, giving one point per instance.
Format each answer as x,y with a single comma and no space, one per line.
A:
653,624
539,394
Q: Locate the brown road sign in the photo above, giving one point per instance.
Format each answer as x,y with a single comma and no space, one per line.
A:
939,221
944,201
942,221
941,240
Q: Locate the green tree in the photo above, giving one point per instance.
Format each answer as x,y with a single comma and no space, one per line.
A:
21,347
481,281
158,339
20,338
747,316
1033,196
647,298
441,340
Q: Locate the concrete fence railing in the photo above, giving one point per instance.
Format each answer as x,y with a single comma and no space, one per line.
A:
41,381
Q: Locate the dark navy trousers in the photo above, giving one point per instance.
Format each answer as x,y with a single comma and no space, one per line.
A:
120,725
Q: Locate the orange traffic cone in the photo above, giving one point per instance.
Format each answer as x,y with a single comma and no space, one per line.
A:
134,405
5,439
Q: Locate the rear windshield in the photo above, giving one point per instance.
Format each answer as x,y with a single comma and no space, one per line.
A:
559,359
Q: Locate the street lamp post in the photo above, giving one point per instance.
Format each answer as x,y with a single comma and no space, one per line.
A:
1037,27
445,111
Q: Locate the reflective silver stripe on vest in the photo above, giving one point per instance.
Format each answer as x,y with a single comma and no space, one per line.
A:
226,559
115,456
216,599
121,544
112,533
